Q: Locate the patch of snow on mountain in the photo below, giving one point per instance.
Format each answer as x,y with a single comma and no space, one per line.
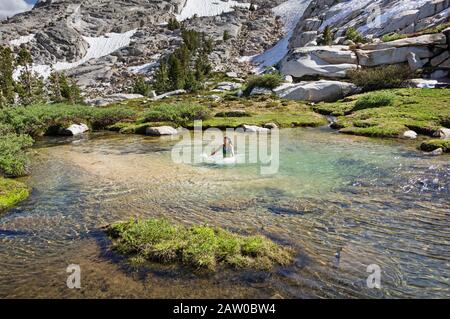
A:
22,40
207,8
98,47
143,68
290,12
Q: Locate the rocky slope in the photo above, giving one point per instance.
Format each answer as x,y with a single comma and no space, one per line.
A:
104,43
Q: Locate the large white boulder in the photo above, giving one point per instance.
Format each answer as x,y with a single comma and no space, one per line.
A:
391,55
444,133
255,129
410,135
423,40
316,91
326,61
74,130
161,131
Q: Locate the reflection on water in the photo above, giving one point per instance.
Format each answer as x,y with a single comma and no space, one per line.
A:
343,202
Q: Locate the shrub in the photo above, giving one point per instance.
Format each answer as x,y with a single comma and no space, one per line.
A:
197,246
393,36
13,158
179,113
267,81
35,120
140,86
374,100
386,77
355,36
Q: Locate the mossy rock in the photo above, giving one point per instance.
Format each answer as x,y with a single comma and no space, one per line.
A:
197,246
432,145
11,193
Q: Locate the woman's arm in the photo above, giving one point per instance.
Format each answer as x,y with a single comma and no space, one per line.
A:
218,149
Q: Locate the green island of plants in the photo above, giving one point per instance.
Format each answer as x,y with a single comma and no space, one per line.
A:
11,193
389,113
197,246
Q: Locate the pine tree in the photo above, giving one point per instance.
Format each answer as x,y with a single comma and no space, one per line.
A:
30,87
327,35
54,88
161,80
176,73
141,87
70,91
6,76
173,24
226,36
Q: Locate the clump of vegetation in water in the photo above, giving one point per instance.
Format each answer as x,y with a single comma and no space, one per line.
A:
266,81
378,78
197,246
11,193
178,113
431,145
373,100
13,158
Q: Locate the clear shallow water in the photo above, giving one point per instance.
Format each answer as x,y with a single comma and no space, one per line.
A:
377,202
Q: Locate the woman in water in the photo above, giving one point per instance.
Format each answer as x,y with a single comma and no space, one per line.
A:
227,148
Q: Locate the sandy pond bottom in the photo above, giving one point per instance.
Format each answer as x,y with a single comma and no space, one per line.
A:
367,201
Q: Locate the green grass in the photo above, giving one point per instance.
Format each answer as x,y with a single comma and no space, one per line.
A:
197,246
11,193
376,99
178,113
422,110
431,145
393,36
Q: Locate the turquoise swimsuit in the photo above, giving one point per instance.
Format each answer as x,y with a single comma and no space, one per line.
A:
227,151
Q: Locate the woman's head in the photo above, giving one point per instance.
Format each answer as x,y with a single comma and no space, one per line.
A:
226,140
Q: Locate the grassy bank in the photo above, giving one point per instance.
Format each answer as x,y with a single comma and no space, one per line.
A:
229,112
11,193
389,113
197,246
20,125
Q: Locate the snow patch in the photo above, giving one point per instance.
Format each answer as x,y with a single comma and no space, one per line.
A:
22,40
208,8
144,68
98,47
290,12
